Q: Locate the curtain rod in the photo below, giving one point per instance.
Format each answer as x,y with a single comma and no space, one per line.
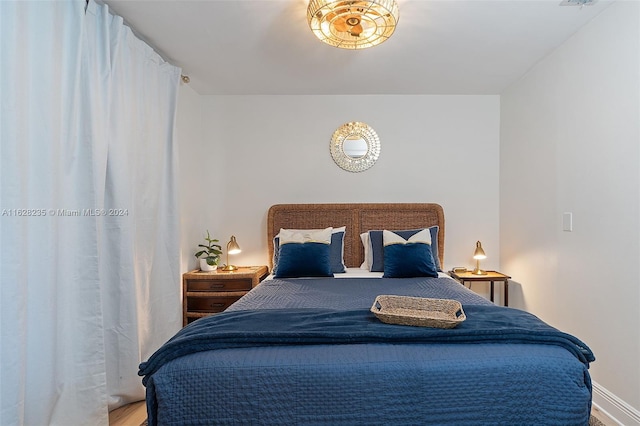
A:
185,78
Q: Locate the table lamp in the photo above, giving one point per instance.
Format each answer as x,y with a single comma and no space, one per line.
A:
477,255
232,248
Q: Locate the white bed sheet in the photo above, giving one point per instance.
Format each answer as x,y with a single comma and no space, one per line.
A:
363,273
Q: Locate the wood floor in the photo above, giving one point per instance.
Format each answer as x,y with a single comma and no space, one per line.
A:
135,414
129,415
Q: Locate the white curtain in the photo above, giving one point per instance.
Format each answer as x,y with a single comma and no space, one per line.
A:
89,246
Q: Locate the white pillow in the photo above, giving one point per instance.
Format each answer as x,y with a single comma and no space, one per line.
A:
389,237
305,236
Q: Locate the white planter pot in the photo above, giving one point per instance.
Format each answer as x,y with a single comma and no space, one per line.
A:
205,267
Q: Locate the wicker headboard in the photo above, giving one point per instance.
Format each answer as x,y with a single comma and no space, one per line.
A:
358,218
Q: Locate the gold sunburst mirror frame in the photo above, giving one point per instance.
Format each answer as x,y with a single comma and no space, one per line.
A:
350,24
355,146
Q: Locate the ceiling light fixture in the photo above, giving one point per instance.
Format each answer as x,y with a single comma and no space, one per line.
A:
350,24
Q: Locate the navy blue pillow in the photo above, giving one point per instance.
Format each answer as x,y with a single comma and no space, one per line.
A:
375,240
408,260
303,260
335,252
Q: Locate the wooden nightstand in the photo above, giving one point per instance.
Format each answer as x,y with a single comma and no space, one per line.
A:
207,293
491,276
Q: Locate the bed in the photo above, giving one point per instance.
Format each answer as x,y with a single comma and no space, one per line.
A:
308,350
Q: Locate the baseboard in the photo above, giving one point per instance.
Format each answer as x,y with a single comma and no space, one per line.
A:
614,408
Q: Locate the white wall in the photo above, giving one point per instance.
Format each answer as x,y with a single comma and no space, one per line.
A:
570,143
199,178
275,149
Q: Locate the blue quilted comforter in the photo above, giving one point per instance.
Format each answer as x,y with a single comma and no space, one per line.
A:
268,327
308,351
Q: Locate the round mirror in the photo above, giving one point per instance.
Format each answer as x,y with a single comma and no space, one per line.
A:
355,146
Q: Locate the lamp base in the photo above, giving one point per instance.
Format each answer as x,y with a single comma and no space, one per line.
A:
231,268
478,271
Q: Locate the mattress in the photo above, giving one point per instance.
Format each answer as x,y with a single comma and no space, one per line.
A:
372,383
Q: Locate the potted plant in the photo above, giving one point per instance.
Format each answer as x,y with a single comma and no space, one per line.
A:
210,254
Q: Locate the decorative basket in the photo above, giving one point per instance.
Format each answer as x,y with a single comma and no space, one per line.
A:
418,311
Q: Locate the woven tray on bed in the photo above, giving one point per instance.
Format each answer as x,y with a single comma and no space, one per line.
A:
418,311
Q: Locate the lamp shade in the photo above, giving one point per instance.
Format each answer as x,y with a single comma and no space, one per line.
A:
232,246
479,252
350,24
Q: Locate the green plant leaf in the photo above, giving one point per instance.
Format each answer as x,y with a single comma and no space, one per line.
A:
212,250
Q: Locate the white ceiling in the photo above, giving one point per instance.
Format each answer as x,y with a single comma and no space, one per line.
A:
237,47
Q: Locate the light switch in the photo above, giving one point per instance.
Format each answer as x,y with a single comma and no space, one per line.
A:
567,221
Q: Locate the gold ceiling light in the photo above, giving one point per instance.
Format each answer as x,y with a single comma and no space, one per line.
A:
350,24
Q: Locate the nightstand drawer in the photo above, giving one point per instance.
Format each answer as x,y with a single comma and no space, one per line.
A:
212,304
219,285
208,293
